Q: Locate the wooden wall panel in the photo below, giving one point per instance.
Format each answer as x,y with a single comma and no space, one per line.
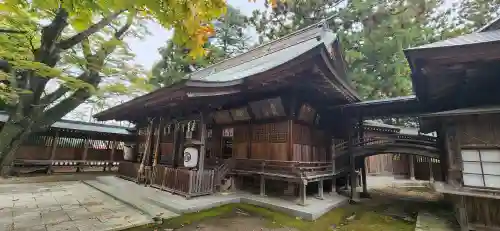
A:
240,141
215,142
278,151
259,151
33,153
240,150
166,149
270,141
98,154
309,144
479,130
67,154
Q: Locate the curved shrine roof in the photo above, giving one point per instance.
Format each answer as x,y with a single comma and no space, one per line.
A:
230,76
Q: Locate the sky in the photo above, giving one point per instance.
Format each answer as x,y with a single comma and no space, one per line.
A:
146,49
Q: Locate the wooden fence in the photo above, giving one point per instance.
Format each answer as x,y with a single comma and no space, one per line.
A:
182,181
38,147
128,170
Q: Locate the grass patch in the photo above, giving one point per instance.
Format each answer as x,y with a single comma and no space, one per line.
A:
191,218
337,219
381,213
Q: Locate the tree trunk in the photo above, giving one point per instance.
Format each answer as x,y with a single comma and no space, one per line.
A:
11,137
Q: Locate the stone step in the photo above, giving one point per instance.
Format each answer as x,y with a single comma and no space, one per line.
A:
132,199
146,193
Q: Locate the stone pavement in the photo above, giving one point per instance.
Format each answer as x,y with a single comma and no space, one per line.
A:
69,205
151,200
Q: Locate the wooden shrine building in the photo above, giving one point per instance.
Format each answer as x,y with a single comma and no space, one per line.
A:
261,116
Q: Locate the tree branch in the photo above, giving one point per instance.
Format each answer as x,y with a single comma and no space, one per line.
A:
46,54
92,77
70,42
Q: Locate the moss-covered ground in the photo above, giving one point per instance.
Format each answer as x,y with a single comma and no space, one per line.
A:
385,211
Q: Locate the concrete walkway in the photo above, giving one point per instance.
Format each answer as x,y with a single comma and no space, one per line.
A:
389,181
69,205
430,222
138,196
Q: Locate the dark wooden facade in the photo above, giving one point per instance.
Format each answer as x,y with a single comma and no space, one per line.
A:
472,149
262,114
456,80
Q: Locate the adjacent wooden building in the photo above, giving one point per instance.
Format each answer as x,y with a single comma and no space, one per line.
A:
71,145
458,79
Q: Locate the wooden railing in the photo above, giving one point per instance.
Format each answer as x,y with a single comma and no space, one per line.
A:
389,139
286,169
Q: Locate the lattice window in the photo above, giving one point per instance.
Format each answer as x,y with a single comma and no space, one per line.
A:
481,168
259,133
278,132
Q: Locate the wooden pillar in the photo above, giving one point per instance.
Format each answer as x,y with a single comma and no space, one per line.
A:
431,172
159,130
114,145
320,190
291,118
262,185
176,140
411,160
86,144
453,152
352,162
463,220
142,172
363,179
113,149
334,186
303,193
203,140
53,150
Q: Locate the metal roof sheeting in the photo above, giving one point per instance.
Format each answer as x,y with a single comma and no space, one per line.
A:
82,126
469,39
266,62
